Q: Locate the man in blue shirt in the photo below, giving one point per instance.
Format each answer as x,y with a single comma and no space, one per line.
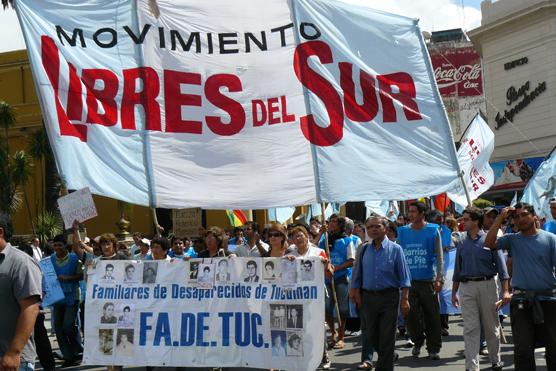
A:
381,271
533,304
474,275
422,248
550,225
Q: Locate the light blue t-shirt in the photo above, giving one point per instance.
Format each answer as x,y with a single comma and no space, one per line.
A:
419,250
550,226
534,259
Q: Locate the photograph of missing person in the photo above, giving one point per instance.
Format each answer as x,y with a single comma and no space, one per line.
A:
108,273
251,274
223,271
132,273
105,341
205,278
277,316
289,272
294,316
294,345
194,269
307,272
126,315
108,313
278,343
124,342
271,269
150,270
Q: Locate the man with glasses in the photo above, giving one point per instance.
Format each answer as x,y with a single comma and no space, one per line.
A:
474,276
380,272
533,304
255,247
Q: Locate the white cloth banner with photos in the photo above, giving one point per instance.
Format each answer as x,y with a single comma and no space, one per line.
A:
143,99
225,312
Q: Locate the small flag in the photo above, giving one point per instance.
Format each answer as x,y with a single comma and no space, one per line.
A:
237,217
514,200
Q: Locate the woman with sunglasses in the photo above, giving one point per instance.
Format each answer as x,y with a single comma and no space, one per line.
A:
278,240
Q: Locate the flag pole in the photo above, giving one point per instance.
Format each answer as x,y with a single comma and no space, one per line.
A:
327,249
465,188
155,219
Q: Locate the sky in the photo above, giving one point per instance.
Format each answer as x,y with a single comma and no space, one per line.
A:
434,15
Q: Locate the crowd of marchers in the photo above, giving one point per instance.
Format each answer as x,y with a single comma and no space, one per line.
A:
383,278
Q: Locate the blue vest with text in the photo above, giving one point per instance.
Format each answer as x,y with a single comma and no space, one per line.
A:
419,250
338,254
68,269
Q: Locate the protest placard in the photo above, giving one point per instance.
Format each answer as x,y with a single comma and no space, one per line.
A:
78,205
230,318
52,291
186,222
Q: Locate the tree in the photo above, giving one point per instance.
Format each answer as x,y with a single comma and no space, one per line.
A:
15,170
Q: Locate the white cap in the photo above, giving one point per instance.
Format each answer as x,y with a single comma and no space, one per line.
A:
146,241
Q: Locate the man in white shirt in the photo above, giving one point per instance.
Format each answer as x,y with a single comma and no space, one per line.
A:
37,252
255,247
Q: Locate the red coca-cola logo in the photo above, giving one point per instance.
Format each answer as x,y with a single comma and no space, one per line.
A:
446,77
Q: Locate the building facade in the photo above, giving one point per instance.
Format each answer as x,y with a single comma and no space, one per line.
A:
517,44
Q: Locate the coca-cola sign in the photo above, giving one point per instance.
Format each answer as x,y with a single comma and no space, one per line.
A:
457,71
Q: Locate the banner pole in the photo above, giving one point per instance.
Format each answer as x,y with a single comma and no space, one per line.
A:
327,249
155,220
465,188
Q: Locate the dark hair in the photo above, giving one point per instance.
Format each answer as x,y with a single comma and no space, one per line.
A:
137,234
293,338
6,225
109,266
341,222
106,305
176,238
162,241
392,226
475,214
206,269
269,263
526,206
127,307
421,207
308,262
253,225
222,261
382,220
129,266
218,233
60,238
251,262
108,237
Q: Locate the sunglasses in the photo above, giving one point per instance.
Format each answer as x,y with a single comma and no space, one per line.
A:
275,234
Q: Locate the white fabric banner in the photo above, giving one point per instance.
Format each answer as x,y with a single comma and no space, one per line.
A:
474,154
245,104
225,312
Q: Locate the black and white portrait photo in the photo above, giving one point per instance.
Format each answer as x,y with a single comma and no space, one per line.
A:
306,268
277,316
205,277
251,274
294,344
105,341
194,269
223,271
126,314
150,270
108,313
124,342
294,316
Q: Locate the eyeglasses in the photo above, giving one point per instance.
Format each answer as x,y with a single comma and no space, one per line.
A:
275,234
370,226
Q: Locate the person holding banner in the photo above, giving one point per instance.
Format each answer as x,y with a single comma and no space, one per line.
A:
108,243
278,239
21,291
159,248
342,255
380,272
533,304
69,270
216,243
474,272
144,250
422,247
254,247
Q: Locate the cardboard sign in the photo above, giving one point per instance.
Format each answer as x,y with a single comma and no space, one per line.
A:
78,205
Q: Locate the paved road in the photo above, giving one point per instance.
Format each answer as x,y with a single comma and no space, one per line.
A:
347,359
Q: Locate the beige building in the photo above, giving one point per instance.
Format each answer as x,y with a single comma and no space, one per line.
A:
517,43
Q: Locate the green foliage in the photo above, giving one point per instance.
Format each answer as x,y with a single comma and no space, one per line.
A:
38,144
15,169
481,203
48,225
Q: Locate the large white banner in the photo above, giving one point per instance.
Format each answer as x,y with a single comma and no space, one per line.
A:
474,154
244,104
225,312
